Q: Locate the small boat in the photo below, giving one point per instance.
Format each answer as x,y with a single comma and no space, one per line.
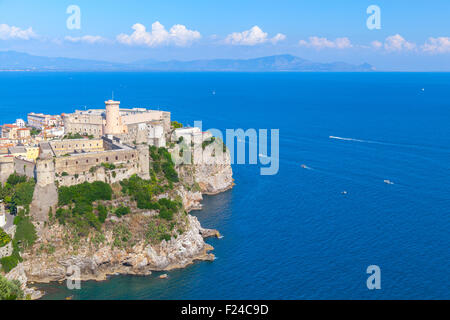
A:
304,166
388,182
344,192
69,298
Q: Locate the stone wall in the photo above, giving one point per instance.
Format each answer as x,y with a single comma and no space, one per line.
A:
63,147
6,169
6,251
82,163
99,174
24,167
84,124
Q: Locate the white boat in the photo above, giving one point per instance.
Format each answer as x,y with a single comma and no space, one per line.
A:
388,182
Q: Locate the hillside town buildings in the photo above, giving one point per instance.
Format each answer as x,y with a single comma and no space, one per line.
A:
107,144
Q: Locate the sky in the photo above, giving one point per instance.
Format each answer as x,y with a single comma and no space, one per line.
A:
400,35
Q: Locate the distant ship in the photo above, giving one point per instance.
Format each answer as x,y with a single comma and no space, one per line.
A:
388,182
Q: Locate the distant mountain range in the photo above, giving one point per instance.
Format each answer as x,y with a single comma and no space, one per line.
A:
17,61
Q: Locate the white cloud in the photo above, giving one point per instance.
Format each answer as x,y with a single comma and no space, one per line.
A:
10,32
279,37
321,43
398,43
86,39
178,35
377,44
437,45
252,37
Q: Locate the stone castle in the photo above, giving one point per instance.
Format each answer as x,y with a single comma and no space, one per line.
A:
117,148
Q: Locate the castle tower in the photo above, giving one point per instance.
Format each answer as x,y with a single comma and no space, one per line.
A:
113,121
45,172
45,193
143,161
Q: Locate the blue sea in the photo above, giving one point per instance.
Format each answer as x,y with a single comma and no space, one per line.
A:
294,235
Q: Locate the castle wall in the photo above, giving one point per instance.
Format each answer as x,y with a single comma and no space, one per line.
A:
99,174
6,169
24,167
148,116
82,163
63,147
86,124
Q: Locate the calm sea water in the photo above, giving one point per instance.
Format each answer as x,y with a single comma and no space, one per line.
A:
294,235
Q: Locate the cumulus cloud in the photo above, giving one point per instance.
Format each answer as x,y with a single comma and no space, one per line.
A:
178,35
252,37
321,43
86,39
437,45
10,32
279,37
398,43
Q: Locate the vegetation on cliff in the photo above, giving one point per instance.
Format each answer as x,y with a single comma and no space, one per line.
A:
24,238
76,207
162,163
10,290
4,238
17,191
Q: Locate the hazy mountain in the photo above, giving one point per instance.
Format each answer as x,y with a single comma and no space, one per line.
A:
11,60
272,63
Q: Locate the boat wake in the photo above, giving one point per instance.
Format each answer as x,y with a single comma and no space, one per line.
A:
355,140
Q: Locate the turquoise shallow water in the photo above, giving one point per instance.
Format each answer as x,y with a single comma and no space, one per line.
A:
294,235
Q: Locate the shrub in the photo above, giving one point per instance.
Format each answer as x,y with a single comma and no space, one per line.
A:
10,290
208,142
176,125
25,235
4,238
122,211
166,214
102,213
108,166
24,193
85,192
16,179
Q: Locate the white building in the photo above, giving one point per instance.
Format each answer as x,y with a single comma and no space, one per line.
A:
190,134
156,136
20,123
2,215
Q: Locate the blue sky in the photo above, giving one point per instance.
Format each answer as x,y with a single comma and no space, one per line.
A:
414,35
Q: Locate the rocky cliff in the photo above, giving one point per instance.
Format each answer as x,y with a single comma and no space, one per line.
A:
104,253
96,262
